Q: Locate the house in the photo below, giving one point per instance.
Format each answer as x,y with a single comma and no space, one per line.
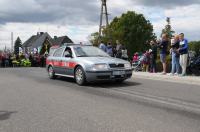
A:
59,41
42,42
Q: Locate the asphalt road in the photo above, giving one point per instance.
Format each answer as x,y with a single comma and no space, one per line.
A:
30,102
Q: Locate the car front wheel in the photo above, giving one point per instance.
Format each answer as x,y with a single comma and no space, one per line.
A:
80,76
51,73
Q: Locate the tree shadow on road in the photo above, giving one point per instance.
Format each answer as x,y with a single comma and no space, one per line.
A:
4,115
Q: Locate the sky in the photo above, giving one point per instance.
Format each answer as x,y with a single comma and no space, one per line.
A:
79,18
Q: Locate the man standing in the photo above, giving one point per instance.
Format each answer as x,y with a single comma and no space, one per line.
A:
124,51
183,50
118,49
153,56
163,52
1,56
102,46
109,49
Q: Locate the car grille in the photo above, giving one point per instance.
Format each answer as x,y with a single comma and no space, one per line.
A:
116,65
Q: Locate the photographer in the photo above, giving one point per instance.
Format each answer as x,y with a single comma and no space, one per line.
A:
163,52
153,56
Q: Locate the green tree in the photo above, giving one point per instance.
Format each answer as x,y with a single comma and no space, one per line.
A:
94,38
195,46
18,43
168,29
131,29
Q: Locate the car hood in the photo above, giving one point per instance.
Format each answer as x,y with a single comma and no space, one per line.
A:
97,60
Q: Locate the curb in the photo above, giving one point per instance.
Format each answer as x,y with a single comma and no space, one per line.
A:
194,80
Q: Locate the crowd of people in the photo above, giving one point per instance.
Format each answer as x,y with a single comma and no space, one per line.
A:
8,59
177,47
118,51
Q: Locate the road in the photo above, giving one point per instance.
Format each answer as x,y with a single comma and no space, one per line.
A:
30,102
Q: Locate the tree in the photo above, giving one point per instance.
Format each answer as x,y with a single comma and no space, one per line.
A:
94,38
168,29
18,44
131,29
195,46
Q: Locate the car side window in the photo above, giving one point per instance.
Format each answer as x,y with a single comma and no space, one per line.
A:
68,52
58,52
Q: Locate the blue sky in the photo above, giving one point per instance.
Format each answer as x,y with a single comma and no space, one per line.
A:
78,18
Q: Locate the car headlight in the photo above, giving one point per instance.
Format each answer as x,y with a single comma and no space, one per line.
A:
127,65
99,67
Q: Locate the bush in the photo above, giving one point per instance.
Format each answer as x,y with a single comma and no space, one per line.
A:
195,46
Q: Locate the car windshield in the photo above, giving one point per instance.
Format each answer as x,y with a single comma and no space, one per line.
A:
89,51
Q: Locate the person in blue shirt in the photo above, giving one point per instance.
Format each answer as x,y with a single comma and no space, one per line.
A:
109,49
102,46
183,51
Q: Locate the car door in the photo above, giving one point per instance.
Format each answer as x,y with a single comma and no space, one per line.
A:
67,60
57,60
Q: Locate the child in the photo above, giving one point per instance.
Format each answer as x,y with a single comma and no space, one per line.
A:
146,61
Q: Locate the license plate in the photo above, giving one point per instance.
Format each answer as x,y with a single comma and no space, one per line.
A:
118,72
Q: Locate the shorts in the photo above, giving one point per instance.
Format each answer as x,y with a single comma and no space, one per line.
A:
163,58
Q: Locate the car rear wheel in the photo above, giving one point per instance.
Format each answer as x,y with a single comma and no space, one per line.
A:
51,73
80,76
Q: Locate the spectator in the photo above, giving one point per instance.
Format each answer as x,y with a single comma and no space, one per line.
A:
153,56
114,51
1,56
102,46
183,50
163,52
124,53
31,60
146,61
135,57
109,49
6,61
175,55
42,61
118,49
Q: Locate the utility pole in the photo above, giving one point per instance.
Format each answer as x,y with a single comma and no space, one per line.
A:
12,46
104,13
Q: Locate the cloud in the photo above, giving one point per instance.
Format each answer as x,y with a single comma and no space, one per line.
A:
51,11
79,18
26,30
165,3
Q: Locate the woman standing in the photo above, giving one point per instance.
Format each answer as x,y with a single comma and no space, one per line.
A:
175,56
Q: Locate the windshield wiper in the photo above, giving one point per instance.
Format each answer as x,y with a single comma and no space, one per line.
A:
100,56
82,56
